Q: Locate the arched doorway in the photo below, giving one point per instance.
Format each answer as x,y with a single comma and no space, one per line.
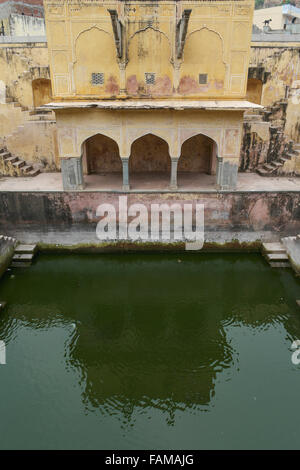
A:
101,160
198,157
149,163
41,90
254,90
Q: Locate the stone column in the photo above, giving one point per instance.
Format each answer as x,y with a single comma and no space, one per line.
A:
219,170
122,91
72,174
173,180
227,171
125,162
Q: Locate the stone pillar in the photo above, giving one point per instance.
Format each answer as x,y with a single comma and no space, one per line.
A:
219,170
227,171
125,162
72,174
122,67
173,180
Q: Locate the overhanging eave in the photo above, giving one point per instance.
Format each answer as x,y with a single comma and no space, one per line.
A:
222,105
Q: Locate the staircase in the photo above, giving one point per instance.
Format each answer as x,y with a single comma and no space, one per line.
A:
14,166
23,256
281,149
271,169
275,254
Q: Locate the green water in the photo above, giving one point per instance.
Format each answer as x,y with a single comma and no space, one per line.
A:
146,352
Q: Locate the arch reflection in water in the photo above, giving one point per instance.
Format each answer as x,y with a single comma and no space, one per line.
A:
151,334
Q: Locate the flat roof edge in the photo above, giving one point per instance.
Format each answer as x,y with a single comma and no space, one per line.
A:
166,104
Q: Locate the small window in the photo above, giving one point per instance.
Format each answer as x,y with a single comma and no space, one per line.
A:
202,78
97,78
150,78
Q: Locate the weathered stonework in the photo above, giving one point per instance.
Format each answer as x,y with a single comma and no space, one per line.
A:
7,245
72,174
73,213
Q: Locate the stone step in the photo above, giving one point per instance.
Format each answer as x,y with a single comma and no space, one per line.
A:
289,155
20,264
22,249
277,256
19,164
276,164
33,173
263,172
22,257
11,159
40,112
283,160
273,247
42,118
5,155
269,167
27,168
280,265
253,117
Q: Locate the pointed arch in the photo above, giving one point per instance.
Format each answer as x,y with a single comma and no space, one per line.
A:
149,162
101,155
94,48
197,61
198,156
152,53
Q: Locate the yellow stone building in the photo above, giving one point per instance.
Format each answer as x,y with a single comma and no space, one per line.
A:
149,89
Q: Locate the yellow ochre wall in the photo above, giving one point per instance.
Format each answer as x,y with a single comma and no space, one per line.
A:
81,41
74,126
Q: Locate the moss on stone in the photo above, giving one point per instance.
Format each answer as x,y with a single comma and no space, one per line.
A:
5,259
129,246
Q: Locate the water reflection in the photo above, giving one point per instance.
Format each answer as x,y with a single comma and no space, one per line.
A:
147,332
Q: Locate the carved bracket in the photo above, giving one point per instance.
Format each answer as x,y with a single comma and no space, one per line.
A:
181,30
117,29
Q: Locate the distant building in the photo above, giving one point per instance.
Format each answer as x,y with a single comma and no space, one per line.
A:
22,18
282,17
275,3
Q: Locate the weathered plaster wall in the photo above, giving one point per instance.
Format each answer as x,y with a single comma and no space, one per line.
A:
292,126
24,83
149,46
23,25
6,253
283,81
283,63
175,127
19,65
224,212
